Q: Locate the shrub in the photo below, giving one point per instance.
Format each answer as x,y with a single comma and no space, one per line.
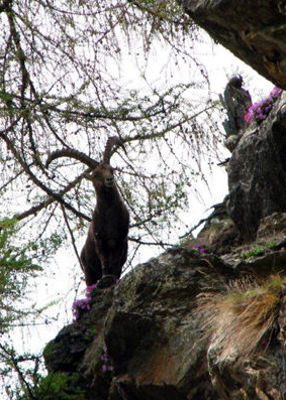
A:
259,111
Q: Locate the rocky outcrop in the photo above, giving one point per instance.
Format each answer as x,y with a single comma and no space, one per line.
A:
148,337
255,32
257,172
141,336
236,101
252,30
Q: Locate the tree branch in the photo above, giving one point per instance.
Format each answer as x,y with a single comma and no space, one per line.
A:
34,210
55,196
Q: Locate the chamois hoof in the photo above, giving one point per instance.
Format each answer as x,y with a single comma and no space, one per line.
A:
106,281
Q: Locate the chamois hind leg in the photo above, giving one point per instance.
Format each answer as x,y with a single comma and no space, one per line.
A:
90,264
108,277
117,259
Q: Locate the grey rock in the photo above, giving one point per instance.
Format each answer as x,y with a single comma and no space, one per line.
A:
148,338
257,173
252,30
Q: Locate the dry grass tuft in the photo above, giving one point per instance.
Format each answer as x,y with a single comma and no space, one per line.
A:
242,315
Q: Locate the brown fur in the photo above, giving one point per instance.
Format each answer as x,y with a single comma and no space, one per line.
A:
105,249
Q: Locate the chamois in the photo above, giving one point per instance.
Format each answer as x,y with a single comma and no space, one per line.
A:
105,249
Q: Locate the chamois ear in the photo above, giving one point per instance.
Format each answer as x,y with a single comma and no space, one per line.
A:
88,175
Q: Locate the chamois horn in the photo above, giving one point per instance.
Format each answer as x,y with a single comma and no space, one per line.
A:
72,153
111,142
85,159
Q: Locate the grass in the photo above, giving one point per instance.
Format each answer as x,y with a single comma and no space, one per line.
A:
244,314
256,251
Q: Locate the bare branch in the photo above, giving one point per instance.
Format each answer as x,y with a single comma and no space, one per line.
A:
34,210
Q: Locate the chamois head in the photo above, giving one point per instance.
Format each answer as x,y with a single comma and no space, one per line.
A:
102,175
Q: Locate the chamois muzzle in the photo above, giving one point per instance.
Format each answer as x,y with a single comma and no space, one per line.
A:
109,181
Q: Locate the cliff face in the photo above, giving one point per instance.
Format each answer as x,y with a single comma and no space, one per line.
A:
162,331
252,30
206,319
257,171
144,334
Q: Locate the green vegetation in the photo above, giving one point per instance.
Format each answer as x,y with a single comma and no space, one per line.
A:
16,267
19,263
271,245
256,251
56,386
259,250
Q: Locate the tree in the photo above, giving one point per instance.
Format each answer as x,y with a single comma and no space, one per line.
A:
17,267
56,92
61,87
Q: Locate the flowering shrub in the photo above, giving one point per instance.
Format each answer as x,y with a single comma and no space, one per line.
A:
106,364
89,289
199,247
259,111
83,304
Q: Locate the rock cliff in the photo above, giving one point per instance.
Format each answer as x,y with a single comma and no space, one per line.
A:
257,171
206,319
252,30
167,330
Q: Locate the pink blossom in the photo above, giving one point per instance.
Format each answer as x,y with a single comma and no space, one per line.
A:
82,304
90,289
106,364
260,110
248,116
104,368
275,92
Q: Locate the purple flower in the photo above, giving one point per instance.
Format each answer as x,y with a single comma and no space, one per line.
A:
82,304
104,368
260,110
261,116
202,250
90,289
106,364
196,246
275,92
248,116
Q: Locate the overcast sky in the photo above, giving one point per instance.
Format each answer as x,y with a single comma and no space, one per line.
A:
220,64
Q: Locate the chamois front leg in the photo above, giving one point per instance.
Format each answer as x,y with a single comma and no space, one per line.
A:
112,261
90,262
108,277
117,259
